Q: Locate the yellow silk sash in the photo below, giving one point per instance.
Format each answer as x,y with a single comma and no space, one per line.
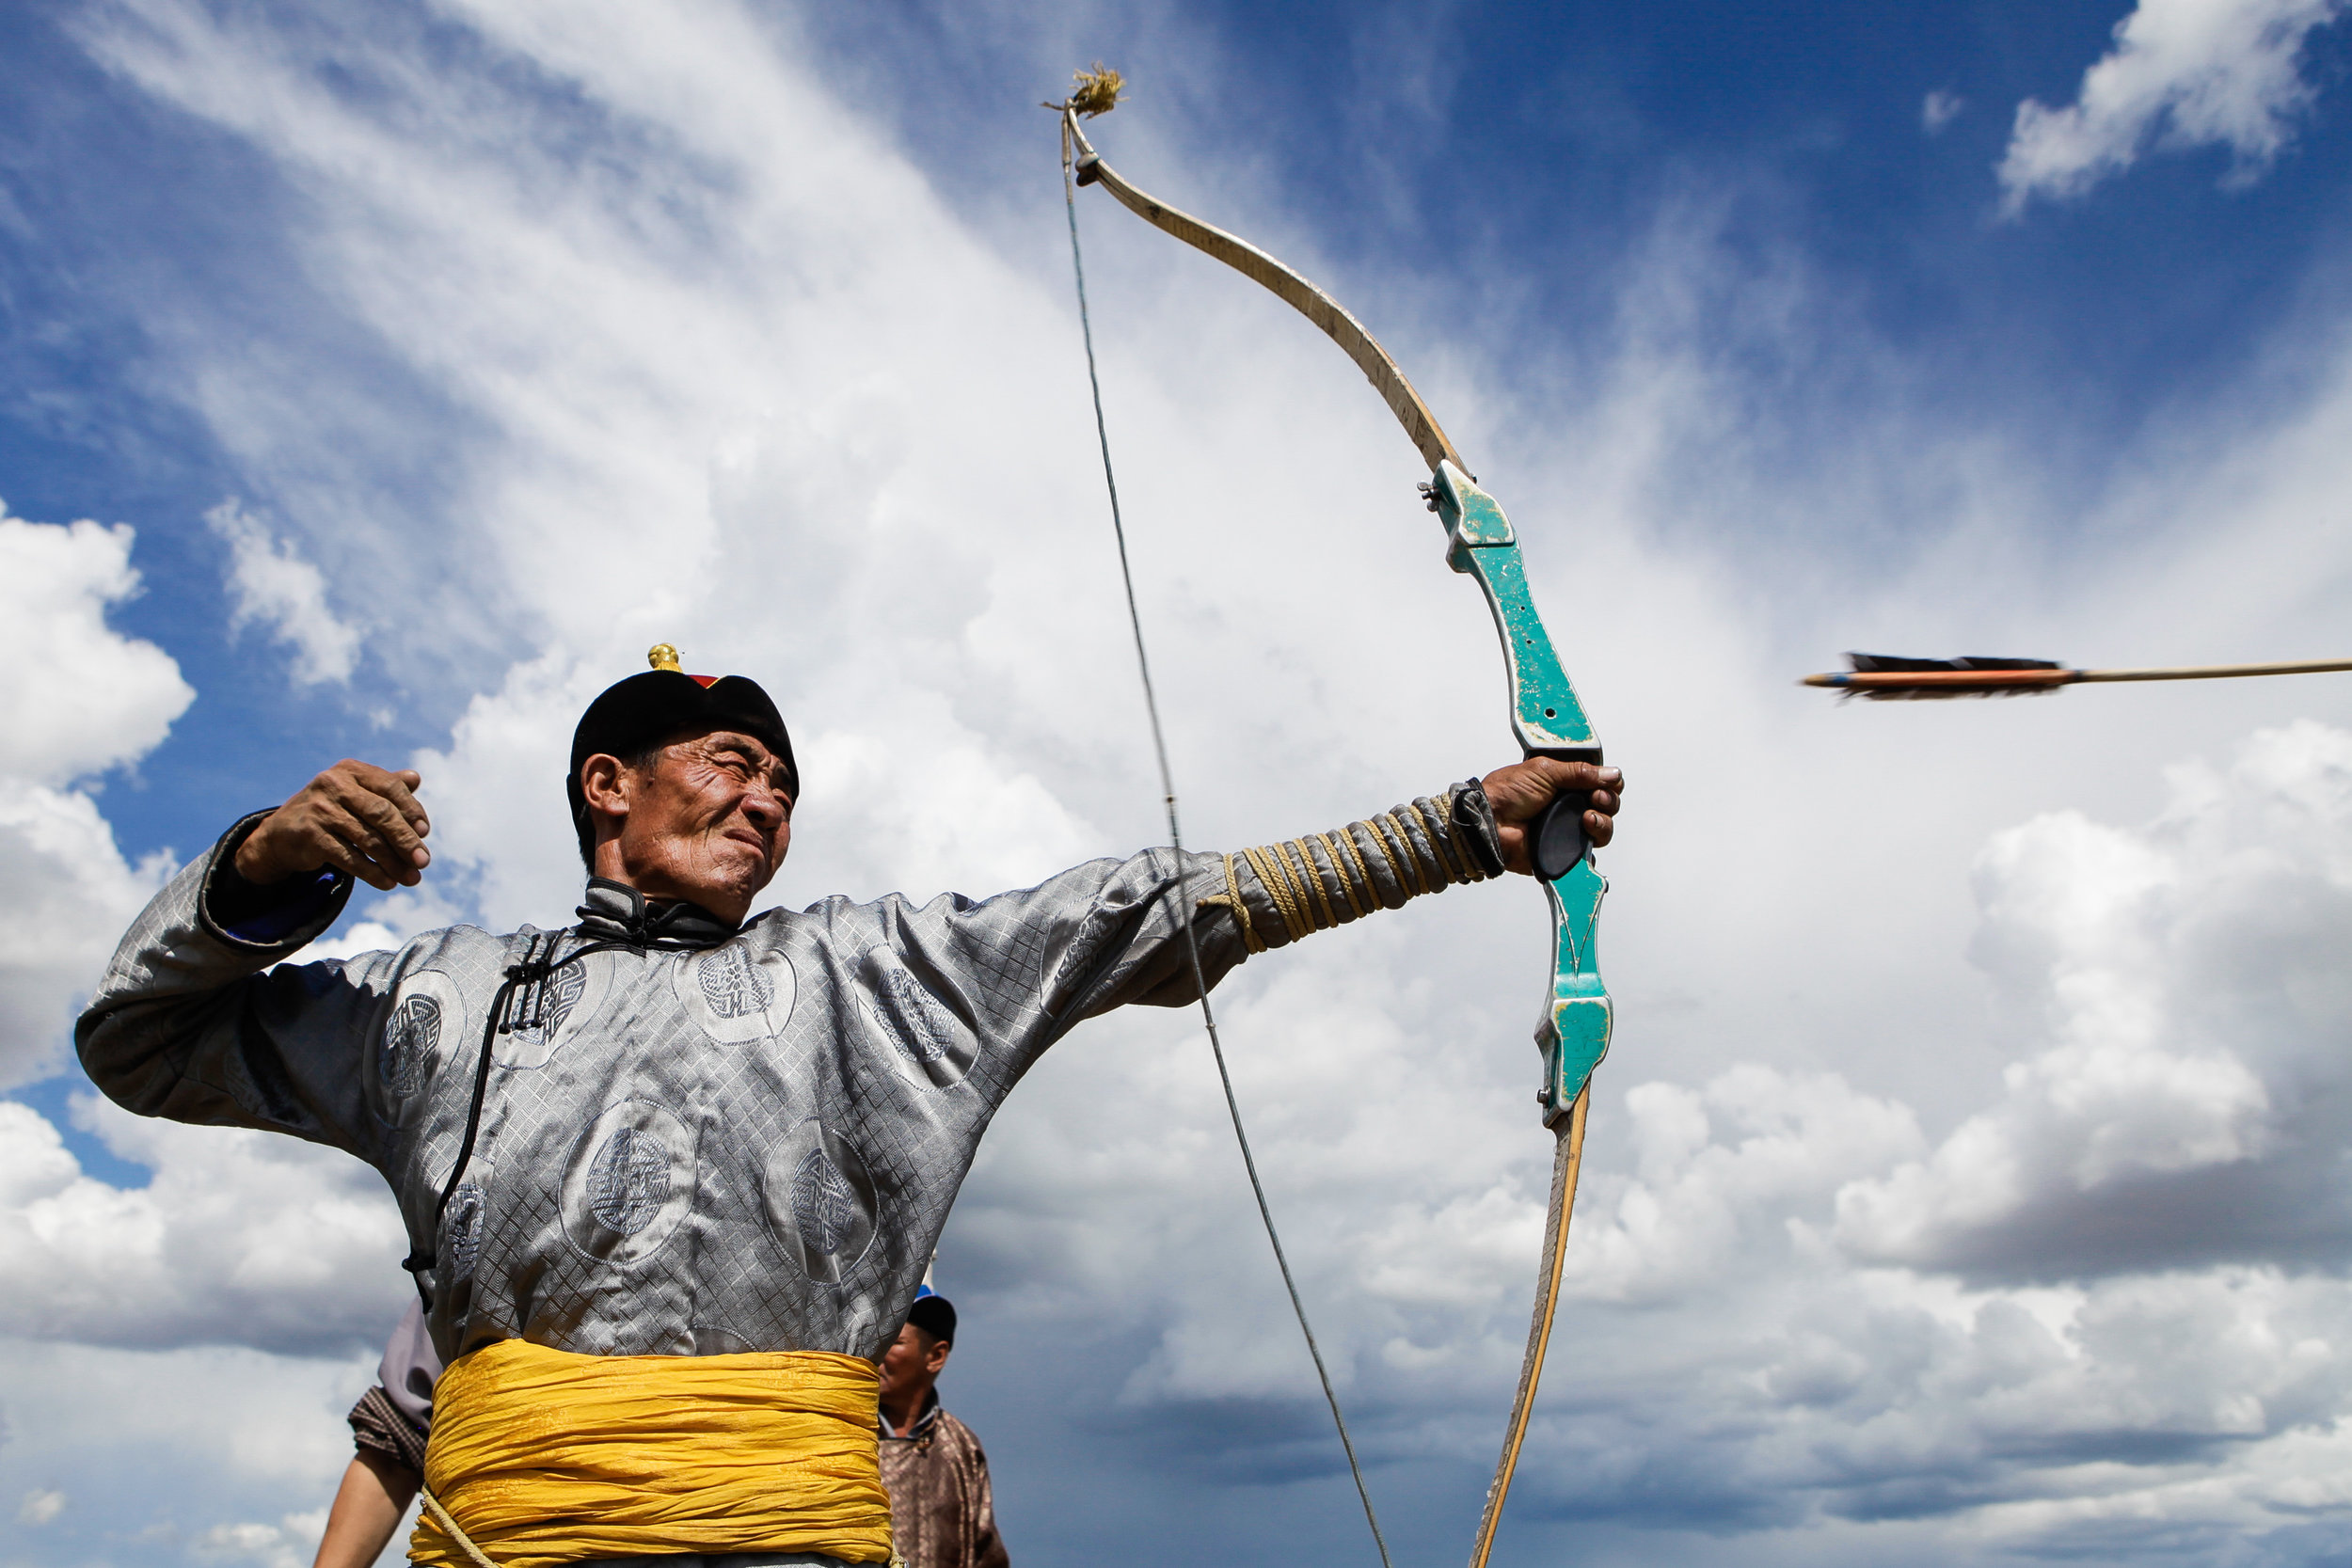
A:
545,1458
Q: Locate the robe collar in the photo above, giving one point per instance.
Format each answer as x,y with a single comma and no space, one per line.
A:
616,912
920,1431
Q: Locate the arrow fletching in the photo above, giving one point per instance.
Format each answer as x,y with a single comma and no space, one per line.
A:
1891,677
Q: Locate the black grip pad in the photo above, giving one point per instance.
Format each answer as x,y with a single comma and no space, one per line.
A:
1559,842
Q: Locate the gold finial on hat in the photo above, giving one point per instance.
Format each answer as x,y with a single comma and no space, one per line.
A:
661,655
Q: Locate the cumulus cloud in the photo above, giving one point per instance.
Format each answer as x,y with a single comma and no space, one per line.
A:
2183,73
71,893
82,698
1786,1305
1718,1168
271,584
2106,1299
239,1239
155,1448
290,1542
85,698
2194,1098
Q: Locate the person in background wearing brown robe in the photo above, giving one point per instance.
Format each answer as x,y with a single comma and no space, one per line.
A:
941,1515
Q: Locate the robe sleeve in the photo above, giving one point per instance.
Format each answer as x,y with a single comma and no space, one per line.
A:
1018,970
192,1024
984,1547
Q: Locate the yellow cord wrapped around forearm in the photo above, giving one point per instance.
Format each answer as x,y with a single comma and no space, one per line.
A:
1326,879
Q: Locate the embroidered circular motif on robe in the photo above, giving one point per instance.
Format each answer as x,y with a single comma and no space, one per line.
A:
925,1037
629,1179
737,993
732,984
820,1200
629,1182
425,1021
461,1230
563,992
933,1045
410,1037
1078,965
822,1205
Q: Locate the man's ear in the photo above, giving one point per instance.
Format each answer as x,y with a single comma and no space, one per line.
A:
604,785
938,1358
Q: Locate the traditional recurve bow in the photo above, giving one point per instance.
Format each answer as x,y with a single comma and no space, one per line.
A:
1546,718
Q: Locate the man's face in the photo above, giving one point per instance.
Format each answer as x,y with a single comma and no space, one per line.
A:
911,1366
710,820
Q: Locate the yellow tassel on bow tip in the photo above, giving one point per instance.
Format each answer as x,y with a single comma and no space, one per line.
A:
663,657
1098,90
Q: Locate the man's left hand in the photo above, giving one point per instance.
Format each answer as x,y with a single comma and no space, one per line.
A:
1520,792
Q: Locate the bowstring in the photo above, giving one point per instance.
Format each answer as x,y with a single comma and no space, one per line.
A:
1176,842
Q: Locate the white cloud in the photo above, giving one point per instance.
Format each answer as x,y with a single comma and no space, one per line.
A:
2190,979
270,583
1714,1164
2183,73
71,895
40,1506
290,1542
161,1447
241,1238
1939,109
81,697
2105,1306
349,942
730,373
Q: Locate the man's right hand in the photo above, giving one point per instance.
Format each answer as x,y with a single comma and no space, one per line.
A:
355,817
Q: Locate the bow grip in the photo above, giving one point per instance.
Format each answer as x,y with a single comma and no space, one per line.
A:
1558,840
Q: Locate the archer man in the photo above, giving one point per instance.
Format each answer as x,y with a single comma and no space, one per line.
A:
671,1177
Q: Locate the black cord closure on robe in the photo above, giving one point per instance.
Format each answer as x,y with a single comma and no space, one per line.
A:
614,917
621,916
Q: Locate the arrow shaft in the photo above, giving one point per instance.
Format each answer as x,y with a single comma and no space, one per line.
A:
2049,680
2216,671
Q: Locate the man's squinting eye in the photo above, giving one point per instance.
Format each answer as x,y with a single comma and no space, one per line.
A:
744,765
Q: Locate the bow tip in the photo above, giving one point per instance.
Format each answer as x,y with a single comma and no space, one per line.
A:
1098,90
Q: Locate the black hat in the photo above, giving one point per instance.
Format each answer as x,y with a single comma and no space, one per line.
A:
935,1316
647,709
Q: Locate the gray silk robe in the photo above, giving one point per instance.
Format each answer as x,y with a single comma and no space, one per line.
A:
753,1147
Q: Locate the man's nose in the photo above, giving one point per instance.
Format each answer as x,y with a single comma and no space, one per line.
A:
765,807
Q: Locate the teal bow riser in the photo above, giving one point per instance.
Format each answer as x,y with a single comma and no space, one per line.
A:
1548,720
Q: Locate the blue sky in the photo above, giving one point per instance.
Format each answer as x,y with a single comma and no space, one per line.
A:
1967,1181
1523,154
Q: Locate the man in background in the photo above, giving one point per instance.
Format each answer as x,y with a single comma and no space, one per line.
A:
389,1427
941,1515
